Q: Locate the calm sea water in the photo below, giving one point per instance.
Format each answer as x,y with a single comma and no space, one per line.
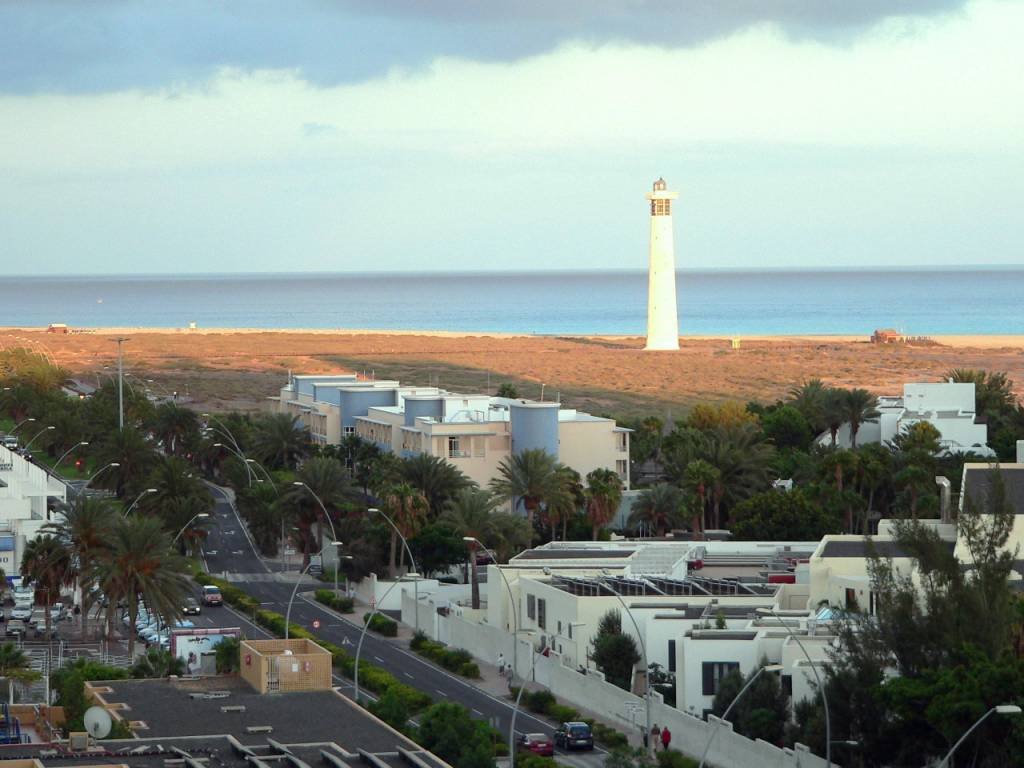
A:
721,302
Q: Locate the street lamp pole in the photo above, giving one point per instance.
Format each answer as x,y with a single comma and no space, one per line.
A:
362,635
20,423
519,697
69,450
511,602
725,715
95,474
817,679
334,533
408,551
240,457
200,516
1001,709
643,653
295,590
137,500
120,381
37,434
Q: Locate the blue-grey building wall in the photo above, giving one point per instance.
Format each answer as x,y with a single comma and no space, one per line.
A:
359,402
327,394
415,409
534,428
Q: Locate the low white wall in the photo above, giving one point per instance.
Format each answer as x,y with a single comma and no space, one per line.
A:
386,596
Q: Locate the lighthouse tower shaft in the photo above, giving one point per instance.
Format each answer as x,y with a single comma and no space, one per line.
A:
662,313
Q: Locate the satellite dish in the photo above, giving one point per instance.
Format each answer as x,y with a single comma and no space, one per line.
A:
97,722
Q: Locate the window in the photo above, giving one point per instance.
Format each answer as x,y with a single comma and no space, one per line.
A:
712,673
787,685
851,600
559,628
621,468
661,207
570,630
455,448
671,655
531,607
542,614
479,447
349,430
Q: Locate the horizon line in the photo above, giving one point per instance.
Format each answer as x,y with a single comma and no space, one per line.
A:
512,273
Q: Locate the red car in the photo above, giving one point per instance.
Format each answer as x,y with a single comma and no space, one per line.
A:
539,744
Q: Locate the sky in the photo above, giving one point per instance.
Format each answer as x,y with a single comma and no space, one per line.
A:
400,135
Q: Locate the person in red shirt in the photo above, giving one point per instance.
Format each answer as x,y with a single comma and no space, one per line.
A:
666,737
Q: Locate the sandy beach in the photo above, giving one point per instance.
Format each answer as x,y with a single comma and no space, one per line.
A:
240,367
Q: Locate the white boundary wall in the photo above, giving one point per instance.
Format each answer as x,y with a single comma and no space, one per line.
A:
610,703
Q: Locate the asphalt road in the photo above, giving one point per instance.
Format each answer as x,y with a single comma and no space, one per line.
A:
228,550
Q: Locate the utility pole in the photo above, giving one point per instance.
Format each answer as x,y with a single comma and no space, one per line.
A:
120,382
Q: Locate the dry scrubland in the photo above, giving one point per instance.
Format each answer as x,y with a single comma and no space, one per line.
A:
238,369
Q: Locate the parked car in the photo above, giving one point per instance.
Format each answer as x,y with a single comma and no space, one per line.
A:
39,627
15,628
22,612
191,607
212,595
539,743
58,612
574,735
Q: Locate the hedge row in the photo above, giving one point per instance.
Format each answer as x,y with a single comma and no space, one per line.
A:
544,703
455,660
333,601
381,624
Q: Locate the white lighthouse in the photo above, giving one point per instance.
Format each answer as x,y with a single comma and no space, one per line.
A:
662,314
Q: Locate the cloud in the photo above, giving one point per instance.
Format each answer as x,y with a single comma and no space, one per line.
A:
112,45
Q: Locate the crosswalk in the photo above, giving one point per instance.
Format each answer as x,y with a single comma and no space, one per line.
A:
247,577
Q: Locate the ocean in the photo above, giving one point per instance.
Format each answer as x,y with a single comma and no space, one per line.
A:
728,302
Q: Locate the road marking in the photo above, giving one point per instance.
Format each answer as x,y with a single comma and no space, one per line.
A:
408,675
378,658
477,711
441,692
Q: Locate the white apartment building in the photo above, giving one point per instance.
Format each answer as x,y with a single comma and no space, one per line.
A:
26,493
474,432
948,406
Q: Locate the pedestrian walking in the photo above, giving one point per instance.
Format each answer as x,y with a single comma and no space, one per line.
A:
655,734
501,664
666,738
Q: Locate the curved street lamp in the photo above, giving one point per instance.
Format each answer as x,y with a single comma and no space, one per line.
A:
362,635
137,500
94,475
240,457
334,533
725,715
37,434
405,543
817,679
200,516
1000,709
20,424
69,450
295,591
643,653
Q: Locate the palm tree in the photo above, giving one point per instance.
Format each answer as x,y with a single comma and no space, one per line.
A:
512,534
134,455
861,408
175,479
657,507
326,478
603,496
841,463
528,476
83,530
407,508
15,667
139,564
743,457
471,512
436,479
158,662
564,501
48,563
834,411
700,477
279,440
993,391
175,426
915,480
809,399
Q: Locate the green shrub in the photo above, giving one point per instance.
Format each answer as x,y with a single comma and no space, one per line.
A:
562,713
609,737
457,660
672,758
419,640
470,670
334,602
539,701
381,624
